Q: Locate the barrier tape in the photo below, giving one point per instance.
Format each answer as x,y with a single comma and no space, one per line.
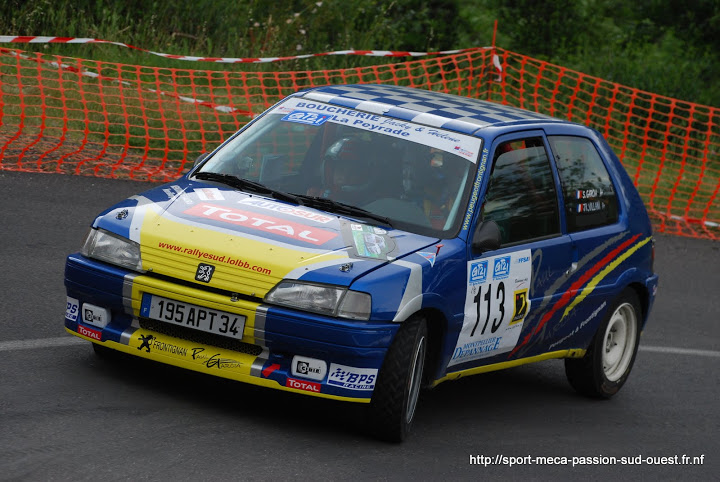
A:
225,60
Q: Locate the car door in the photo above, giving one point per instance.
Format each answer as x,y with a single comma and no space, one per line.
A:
593,224
509,289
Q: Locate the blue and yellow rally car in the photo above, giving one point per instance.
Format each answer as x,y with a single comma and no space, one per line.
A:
362,242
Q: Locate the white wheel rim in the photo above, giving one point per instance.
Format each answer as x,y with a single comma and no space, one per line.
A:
619,342
415,380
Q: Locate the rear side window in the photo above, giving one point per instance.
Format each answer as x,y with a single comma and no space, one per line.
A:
521,196
589,194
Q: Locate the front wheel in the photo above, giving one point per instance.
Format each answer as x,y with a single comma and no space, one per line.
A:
607,363
397,390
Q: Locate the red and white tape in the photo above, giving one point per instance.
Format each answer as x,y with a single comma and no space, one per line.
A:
224,60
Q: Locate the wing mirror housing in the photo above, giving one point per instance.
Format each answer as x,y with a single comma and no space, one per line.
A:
487,237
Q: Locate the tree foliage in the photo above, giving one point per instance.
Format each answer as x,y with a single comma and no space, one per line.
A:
670,47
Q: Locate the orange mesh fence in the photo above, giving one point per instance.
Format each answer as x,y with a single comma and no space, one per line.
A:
69,115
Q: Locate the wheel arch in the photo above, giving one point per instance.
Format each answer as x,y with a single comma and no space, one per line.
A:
437,326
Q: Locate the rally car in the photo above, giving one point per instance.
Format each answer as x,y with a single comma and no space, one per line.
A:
362,242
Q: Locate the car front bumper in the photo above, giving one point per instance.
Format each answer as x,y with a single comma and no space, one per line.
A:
277,346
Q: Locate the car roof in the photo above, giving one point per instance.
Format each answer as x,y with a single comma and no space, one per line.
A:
436,109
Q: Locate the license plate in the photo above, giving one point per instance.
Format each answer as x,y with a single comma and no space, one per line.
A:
192,316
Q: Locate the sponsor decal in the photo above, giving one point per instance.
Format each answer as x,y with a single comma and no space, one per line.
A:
146,342
89,332
267,224
267,371
209,194
204,272
94,315
303,385
478,272
122,214
501,267
521,306
369,241
295,211
308,367
352,378
175,191
452,142
310,118
198,253
72,309
495,307
476,190
214,360
430,257
580,326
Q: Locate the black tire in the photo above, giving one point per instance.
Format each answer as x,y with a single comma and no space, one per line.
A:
397,390
101,351
608,362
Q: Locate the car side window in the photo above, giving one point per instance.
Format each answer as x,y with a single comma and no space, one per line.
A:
521,196
589,194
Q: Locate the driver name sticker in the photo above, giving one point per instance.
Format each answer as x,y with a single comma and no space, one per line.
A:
496,305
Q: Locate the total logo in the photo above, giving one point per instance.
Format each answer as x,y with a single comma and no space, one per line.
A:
303,385
478,272
268,224
90,333
501,267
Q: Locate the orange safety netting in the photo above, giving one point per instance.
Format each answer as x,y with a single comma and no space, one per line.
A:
68,115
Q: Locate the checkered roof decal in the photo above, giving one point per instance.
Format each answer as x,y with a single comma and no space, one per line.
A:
436,109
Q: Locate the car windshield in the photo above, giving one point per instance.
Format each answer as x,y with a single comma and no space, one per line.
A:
406,175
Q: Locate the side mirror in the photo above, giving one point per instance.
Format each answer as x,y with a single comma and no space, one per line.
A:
487,237
200,158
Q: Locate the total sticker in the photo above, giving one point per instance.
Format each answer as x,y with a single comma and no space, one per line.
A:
496,305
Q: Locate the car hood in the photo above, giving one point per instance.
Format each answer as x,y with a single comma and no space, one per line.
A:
250,242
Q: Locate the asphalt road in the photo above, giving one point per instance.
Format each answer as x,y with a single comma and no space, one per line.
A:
67,415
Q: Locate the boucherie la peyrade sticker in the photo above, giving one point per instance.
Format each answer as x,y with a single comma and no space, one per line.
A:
317,113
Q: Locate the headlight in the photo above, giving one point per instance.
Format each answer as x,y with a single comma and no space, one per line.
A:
113,249
323,299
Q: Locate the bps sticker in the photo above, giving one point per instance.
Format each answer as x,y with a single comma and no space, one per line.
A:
309,118
72,309
352,378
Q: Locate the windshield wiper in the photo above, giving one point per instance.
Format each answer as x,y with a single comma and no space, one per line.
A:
247,185
340,208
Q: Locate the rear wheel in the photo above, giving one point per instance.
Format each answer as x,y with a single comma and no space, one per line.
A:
397,390
607,363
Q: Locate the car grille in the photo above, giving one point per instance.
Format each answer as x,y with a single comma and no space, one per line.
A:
200,337
179,267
